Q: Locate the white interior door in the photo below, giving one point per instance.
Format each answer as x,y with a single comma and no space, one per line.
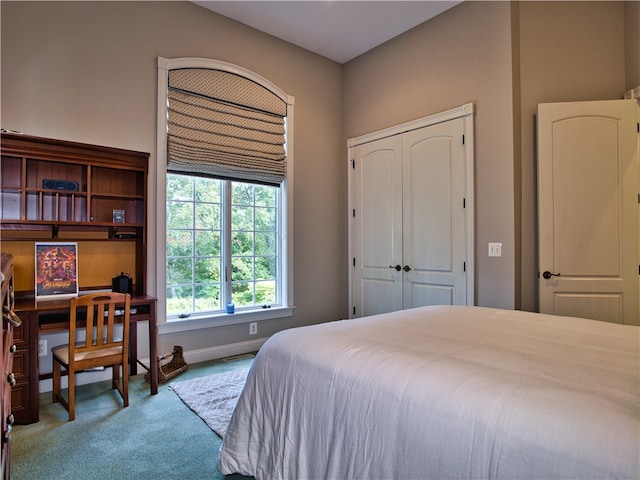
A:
589,234
434,236
377,226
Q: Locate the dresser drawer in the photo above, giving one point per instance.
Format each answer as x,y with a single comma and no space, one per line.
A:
21,365
21,333
20,403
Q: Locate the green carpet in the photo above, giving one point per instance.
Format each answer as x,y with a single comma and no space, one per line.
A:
157,437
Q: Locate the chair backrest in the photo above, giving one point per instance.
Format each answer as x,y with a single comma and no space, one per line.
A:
103,312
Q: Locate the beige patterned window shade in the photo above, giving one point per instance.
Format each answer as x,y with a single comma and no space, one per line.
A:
224,125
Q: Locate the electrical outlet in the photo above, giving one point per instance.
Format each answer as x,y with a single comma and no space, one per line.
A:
42,348
253,328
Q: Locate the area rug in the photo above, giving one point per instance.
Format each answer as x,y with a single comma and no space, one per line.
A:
213,398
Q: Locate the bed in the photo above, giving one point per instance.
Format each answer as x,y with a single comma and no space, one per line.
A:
441,392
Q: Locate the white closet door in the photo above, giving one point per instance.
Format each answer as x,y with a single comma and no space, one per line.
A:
434,237
409,221
377,226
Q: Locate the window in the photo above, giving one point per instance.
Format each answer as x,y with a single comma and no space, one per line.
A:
222,200
222,245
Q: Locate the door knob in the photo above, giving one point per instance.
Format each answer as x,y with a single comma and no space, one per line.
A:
397,267
406,268
547,274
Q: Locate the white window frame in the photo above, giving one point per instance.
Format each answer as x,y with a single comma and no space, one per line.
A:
196,321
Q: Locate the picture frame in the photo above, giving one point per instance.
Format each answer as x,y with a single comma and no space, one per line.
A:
56,270
118,216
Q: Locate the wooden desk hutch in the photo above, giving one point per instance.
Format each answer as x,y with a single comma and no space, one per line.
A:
56,190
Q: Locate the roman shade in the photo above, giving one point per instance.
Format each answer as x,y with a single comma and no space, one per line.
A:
223,125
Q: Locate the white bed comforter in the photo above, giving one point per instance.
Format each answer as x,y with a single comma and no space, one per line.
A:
441,392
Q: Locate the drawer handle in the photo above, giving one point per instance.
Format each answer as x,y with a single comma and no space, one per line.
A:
13,348
11,379
10,316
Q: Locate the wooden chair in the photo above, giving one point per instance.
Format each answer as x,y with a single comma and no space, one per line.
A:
100,348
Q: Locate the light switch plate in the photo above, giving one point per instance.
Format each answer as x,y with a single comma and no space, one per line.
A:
495,249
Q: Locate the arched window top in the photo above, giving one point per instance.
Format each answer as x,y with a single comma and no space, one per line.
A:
224,121
207,63
227,87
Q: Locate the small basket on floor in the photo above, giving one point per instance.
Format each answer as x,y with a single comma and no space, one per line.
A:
170,367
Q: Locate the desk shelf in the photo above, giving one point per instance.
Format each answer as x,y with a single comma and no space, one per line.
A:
72,191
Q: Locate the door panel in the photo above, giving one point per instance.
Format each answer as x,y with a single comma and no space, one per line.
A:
428,209
434,219
595,306
377,226
588,183
423,294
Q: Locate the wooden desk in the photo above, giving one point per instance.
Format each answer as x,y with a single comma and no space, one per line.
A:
53,316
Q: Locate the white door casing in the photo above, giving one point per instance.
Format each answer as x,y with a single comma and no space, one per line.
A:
589,228
411,214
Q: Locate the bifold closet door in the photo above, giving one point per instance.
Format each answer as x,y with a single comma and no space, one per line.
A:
408,224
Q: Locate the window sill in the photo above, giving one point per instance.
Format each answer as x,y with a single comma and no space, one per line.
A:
210,321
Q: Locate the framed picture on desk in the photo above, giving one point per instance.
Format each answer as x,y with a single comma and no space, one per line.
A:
56,270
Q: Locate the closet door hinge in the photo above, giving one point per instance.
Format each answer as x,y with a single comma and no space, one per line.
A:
463,138
464,203
353,164
354,261
354,213
464,266
354,310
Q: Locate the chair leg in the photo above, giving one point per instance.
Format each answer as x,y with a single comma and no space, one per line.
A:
56,380
115,374
121,384
125,384
72,395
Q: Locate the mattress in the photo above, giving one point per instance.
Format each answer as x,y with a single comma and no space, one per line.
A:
441,392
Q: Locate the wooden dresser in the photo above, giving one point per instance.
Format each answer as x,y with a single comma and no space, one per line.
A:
9,322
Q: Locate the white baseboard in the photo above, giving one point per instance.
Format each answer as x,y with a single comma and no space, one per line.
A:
223,351
192,356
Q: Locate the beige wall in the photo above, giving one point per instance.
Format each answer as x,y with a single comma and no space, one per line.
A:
461,56
632,43
86,71
506,58
569,51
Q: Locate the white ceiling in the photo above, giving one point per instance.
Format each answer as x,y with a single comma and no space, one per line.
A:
340,30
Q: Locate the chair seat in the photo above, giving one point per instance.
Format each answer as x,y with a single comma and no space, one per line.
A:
62,353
